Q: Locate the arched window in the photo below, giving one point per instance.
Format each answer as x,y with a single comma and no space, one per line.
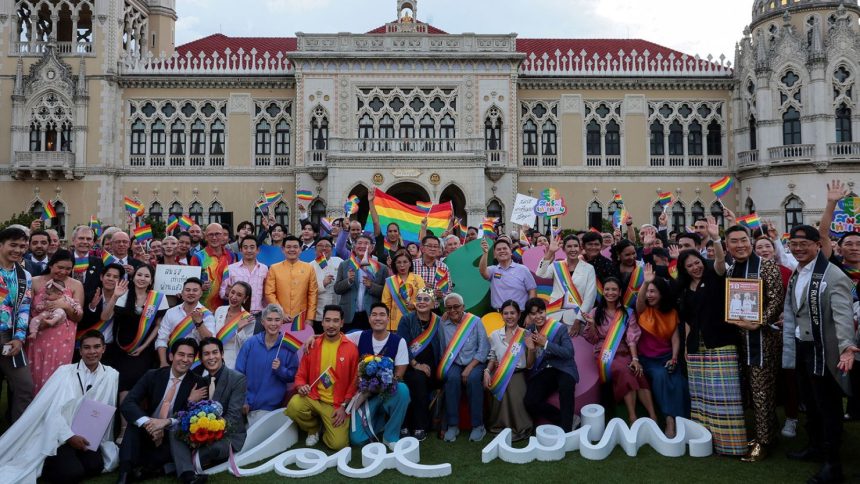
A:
176,209
317,212
676,139
656,211
138,138
592,139
319,131
717,213
750,205
282,139
529,138
217,136
35,137
407,127
156,211
753,126
657,148
365,127
36,209
386,127
447,131
679,216
495,209
493,133
549,139
613,138
177,138
196,212
793,213
595,215
694,139
715,139
697,210
51,137
791,127
282,214
216,212
427,132
843,124
263,139
59,222
158,141
198,138
66,137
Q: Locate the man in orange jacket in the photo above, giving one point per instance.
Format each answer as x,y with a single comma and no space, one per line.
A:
326,382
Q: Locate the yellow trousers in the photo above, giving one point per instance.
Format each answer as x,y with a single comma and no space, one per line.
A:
308,413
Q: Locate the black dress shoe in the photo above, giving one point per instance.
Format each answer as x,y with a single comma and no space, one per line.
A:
200,479
123,478
808,454
828,474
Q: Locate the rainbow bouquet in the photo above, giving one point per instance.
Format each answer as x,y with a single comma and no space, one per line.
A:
376,376
202,424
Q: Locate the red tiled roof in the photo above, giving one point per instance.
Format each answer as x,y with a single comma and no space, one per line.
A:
430,29
220,42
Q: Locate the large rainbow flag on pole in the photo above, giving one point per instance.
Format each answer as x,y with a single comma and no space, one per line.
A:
409,217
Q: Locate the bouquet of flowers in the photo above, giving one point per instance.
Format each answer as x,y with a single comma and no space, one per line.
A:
202,424
376,375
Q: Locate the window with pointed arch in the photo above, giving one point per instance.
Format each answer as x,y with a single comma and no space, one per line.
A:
318,212
282,214
539,121
195,211
319,129
679,216
493,130
495,209
177,132
156,211
37,209
697,211
176,210
58,223
717,213
793,212
595,215
656,212
749,206
216,212
843,124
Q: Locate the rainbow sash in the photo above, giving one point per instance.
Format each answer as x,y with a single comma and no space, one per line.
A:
147,320
372,267
101,326
637,278
563,275
81,264
229,330
612,342
550,329
184,328
423,340
599,292
456,344
397,287
508,364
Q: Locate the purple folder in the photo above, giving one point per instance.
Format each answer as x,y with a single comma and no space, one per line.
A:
91,421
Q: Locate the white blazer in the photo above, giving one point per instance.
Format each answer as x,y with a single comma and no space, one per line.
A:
585,282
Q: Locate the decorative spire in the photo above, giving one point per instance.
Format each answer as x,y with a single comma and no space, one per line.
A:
81,87
19,78
760,50
816,48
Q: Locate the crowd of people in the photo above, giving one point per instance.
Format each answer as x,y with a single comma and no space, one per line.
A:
83,323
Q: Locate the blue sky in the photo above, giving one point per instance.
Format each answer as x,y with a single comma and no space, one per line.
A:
692,26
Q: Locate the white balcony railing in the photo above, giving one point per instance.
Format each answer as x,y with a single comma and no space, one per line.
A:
747,158
240,62
843,151
52,164
407,146
603,160
791,153
176,160
633,64
37,47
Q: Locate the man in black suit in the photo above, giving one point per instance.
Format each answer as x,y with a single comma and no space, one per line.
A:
83,239
120,244
150,406
36,260
228,388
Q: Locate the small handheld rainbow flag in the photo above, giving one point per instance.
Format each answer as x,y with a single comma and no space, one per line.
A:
96,225
617,199
443,279
488,226
751,221
49,212
172,224
185,222
300,321
619,216
325,226
322,261
132,206
351,205
142,233
81,264
107,258
664,198
272,197
784,238
291,342
262,206
426,206
326,378
722,186
305,195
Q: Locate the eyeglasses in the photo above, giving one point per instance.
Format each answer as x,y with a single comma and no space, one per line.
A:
801,245
423,299
454,307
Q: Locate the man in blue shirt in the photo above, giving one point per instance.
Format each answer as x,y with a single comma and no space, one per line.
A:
14,318
508,280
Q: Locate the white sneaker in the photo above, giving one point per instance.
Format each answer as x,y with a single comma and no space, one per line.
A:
312,440
789,430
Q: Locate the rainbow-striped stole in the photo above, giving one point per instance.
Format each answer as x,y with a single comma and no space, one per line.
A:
563,275
456,344
611,343
101,326
81,264
147,320
599,296
549,329
854,274
230,328
637,278
397,287
387,246
424,339
184,328
508,364
372,267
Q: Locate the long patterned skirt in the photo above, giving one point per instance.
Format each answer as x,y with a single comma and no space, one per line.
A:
715,393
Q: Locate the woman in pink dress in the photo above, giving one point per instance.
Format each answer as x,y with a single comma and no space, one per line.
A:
54,345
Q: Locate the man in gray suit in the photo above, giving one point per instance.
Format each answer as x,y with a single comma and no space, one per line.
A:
818,340
360,288
227,387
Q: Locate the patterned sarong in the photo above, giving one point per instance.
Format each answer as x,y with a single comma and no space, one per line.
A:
715,394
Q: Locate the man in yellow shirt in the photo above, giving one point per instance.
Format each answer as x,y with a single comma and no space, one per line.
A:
292,283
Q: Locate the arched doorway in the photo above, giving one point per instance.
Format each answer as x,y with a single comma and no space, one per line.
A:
409,193
453,194
360,191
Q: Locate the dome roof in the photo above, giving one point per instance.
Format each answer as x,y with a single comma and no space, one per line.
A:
765,9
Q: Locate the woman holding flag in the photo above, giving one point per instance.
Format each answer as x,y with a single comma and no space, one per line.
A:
614,332
234,323
574,284
507,362
401,289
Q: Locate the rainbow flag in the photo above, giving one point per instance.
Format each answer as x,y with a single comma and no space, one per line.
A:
96,225
81,264
132,206
273,197
107,258
508,364
300,321
262,206
322,261
488,226
722,186
617,199
49,212
230,328
664,198
353,262
784,238
351,206
751,221
518,251
185,222
144,232
326,378
619,216
172,224
443,279
409,217
291,342
425,206
304,195
325,226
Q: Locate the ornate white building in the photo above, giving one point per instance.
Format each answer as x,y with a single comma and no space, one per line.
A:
97,103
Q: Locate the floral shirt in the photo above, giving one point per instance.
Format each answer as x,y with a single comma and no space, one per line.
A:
8,315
